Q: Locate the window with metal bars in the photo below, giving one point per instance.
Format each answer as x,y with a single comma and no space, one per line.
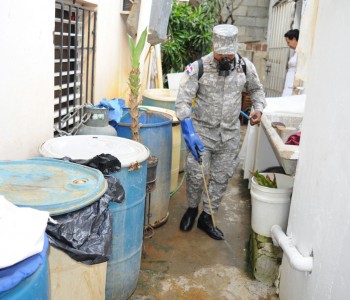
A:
74,40
127,5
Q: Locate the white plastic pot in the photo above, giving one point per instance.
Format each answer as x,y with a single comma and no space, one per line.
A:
174,82
270,206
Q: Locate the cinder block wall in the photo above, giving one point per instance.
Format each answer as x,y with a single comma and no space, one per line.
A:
251,18
257,53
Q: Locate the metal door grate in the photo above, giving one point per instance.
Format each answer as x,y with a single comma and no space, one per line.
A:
282,17
74,40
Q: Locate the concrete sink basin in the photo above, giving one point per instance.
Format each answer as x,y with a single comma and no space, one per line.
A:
277,135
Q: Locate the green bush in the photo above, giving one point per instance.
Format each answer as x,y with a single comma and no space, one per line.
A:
189,35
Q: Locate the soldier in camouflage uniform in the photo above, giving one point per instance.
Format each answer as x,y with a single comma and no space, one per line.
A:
211,128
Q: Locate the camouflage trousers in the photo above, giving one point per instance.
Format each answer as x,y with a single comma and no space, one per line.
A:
219,164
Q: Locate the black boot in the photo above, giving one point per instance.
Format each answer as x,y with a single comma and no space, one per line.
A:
205,223
188,219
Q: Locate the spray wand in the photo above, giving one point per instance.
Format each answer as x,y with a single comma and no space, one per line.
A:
246,116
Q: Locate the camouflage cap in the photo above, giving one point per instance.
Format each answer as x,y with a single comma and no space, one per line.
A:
225,39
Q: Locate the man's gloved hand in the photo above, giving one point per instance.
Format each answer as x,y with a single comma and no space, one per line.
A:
192,140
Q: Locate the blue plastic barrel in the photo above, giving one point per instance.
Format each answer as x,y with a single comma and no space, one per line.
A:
156,134
36,286
128,220
59,187
128,217
52,185
164,99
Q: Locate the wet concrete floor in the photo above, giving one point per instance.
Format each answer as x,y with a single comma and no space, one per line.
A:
191,265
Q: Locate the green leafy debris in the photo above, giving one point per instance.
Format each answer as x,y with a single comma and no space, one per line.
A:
265,180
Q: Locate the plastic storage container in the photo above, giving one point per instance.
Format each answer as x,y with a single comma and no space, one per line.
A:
58,187
35,286
270,206
124,266
155,133
174,82
162,98
176,142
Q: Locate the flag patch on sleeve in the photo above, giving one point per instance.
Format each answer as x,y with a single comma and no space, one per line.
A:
189,69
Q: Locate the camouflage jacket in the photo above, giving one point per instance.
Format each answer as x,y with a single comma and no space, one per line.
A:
217,99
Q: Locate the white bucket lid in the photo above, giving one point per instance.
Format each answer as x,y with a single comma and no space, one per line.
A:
88,146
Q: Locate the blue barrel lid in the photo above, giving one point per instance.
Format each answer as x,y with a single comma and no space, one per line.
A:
51,185
88,146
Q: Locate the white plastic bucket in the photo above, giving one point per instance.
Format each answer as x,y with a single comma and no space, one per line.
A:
174,82
270,206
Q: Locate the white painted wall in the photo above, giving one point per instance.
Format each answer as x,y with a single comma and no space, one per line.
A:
27,69
113,61
319,220
26,76
112,52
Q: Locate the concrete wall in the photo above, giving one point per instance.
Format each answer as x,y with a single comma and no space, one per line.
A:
250,16
256,53
27,69
319,220
27,76
112,52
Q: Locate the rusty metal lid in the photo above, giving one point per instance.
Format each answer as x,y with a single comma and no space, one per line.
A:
51,185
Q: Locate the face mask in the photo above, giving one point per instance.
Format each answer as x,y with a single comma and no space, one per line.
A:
225,66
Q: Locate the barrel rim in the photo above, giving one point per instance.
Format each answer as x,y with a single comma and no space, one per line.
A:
272,190
163,123
164,98
57,208
144,152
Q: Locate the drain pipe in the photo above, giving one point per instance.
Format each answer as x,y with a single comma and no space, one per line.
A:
296,260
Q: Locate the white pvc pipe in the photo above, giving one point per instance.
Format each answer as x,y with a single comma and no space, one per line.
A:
296,260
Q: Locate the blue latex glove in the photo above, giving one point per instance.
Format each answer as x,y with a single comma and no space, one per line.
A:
192,140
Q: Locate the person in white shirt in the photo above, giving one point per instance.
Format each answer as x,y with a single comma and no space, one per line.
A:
292,37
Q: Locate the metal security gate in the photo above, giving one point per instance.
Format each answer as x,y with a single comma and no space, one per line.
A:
74,39
282,17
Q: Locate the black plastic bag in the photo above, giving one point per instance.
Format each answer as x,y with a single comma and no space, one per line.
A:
115,189
86,235
106,163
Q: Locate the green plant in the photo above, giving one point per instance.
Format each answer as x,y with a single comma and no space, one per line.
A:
189,34
134,82
265,180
